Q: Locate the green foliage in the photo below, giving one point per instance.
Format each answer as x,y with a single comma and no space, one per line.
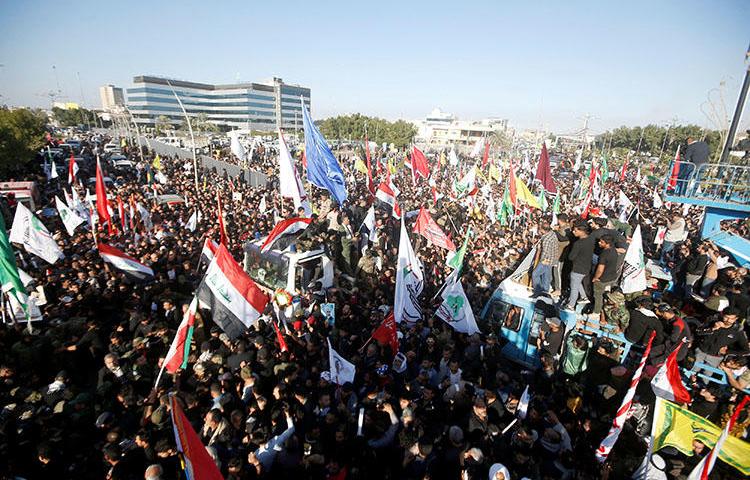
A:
21,136
162,125
201,124
627,138
352,127
73,117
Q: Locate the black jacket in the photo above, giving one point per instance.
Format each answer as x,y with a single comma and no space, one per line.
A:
697,152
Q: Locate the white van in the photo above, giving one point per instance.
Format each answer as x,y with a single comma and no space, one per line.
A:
291,271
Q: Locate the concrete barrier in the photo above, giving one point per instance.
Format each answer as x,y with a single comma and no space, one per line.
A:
252,177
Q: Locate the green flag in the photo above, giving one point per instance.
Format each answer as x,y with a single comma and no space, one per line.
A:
605,169
542,201
556,205
9,277
506,209
456,260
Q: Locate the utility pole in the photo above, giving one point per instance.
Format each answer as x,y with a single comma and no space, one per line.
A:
737,110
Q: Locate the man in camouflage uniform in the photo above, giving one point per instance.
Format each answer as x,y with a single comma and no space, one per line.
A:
615,313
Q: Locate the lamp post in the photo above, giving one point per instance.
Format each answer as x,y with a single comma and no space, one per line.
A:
192,137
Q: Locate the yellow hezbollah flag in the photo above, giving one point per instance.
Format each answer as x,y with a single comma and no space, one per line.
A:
523,194
494,173
677,427
360,166
157,162
391,167
123,143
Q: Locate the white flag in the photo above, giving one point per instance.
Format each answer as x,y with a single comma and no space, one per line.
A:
262,207
490,212
53,171
290,185
634,267
657,200
661,232
192,222
145,216
235,146
369,222
31,233
342,370
456,310
68,216
409,282
478,147
523,404
452,157
626,205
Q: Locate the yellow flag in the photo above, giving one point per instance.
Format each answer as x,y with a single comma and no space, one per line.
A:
391,167
524,195
360,166
677,427
494,173
442,158
123,143
157,162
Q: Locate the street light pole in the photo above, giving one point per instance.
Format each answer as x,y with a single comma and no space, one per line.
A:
192,137
737,110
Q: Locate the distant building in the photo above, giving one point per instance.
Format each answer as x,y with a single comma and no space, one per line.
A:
441,129
263,106
112,97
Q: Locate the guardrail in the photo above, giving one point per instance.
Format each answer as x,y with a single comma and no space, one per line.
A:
253,178
711,182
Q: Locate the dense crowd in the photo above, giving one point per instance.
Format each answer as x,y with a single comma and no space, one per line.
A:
78,398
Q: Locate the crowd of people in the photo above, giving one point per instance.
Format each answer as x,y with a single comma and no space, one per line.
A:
78,393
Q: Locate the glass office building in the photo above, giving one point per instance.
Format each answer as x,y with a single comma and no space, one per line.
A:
257,106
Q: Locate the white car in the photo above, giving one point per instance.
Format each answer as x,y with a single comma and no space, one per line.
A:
111,147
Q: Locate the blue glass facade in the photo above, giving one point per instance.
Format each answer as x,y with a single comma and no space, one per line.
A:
248,105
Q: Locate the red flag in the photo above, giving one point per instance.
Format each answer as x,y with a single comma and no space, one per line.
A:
72,169
222,230
101,199
544,173
512,186
280,338
370,184
624,168
675,170
419,164
121,212
386,333
198,463
131,201
486,155
667,383
430,230
434,196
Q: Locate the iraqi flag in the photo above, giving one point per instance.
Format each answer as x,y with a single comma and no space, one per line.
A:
234,299
72,169
386,193
177,356
131,267
209,250
198,463
667,383
285,228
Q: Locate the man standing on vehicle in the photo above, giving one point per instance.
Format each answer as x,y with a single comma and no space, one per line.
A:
546,257
605,274
696,154
580,257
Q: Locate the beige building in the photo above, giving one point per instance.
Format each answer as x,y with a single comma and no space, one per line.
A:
112,97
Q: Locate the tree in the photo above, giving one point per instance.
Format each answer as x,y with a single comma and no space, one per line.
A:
653,138
71,117
201,124
352,128
21,137
162,125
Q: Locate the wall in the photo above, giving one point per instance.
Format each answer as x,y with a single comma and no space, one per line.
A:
252,177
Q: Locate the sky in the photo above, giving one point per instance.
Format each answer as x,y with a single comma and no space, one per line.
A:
544,63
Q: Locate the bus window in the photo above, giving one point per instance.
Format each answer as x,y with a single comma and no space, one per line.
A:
498,312
513,318
536,325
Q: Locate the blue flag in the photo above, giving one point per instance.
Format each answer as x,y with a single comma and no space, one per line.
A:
322,168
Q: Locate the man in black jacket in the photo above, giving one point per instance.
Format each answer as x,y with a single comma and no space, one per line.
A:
697,154
721,335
